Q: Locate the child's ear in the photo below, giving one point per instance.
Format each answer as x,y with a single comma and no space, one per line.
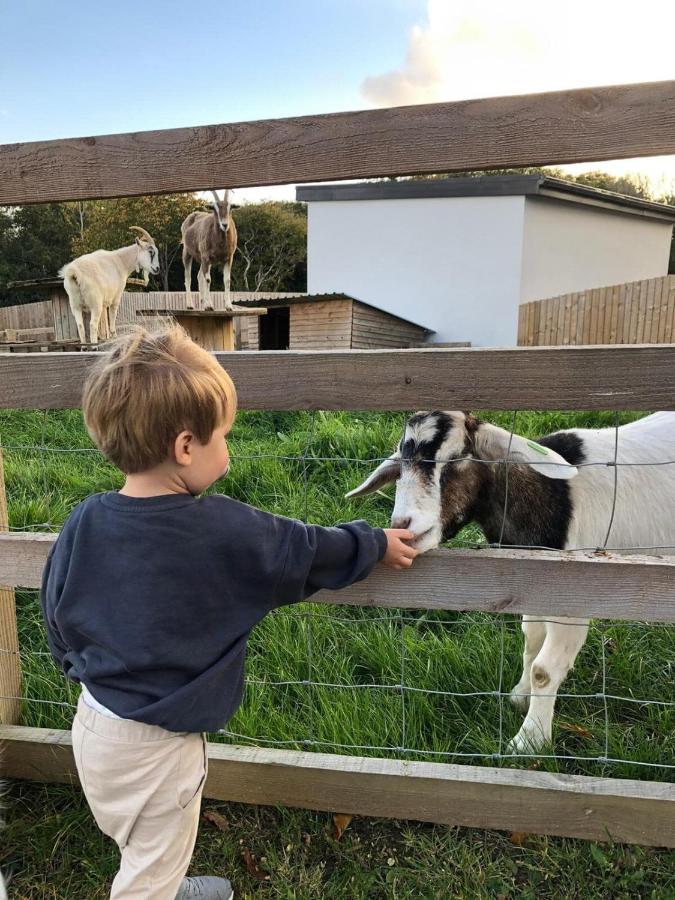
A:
182,448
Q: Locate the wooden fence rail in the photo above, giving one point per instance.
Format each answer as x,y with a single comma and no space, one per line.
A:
588,584
536,129
597,809
589,378
636,312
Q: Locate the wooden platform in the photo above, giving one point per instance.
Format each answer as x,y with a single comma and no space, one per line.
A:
47,346
212,329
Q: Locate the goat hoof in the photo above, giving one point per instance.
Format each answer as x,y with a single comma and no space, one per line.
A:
526,741
208,306
520,698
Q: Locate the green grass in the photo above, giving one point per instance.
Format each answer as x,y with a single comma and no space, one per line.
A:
358,650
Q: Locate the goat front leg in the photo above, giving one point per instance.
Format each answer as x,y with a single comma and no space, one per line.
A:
549,668
206,285
534,631
112,315
187,265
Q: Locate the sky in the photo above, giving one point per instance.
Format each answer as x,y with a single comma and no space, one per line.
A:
72,68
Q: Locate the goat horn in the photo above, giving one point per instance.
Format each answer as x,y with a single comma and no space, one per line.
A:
143,233
215,197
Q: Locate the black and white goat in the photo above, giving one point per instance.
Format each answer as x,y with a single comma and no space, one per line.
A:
444,480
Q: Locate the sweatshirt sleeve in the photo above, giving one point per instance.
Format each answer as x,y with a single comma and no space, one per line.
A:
319,558
49,593
54,579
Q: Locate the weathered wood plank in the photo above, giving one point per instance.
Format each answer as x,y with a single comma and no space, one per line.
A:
558,127
635,312
10,664
599,809
623,377
372,328
27,315
608,586
522,324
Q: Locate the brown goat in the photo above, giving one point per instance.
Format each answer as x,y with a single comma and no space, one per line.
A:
208,238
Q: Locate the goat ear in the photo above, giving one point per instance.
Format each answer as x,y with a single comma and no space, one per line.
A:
235,205
492,442
387,471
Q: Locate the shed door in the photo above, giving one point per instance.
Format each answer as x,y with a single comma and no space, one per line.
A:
275,329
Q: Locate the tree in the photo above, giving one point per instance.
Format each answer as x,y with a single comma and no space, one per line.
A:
106,226
35,241
633,183
272,247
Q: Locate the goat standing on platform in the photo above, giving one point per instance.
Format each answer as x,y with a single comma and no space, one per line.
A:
96,281
208,238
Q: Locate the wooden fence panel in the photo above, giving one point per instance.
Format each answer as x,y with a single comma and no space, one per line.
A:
27,315
637,312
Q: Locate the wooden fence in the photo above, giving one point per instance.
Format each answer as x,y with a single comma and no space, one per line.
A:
559,127
27,315
55,316
636,312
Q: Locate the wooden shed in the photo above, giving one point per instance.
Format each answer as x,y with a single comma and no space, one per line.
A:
326,322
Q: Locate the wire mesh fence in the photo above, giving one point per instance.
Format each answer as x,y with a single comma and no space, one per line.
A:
412,685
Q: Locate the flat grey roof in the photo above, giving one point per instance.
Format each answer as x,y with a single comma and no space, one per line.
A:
488,186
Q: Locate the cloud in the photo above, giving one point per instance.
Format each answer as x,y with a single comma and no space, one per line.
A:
488,48
482,48
418,81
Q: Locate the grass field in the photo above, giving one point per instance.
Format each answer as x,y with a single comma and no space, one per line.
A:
51,845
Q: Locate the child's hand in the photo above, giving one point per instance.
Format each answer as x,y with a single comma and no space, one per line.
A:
399,555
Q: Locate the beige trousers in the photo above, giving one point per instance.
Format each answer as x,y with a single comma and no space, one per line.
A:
144,787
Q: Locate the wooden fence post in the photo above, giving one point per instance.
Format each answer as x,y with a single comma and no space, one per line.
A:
10,664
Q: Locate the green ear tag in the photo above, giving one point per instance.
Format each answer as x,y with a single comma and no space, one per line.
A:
538,448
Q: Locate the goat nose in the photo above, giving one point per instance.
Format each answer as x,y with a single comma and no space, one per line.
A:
401,522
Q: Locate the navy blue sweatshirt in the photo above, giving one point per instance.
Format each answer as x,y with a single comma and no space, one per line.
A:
149,602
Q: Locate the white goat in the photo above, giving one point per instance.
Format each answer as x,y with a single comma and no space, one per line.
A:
443,483
96,281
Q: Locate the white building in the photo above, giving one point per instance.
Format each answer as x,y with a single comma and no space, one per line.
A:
458,255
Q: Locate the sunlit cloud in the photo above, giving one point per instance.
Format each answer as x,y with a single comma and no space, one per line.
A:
480,48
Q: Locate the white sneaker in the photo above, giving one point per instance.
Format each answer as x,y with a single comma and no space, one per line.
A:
205,888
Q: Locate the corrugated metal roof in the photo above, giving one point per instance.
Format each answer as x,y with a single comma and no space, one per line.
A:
291,299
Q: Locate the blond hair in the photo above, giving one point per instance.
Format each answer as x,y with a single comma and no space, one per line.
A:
139,397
